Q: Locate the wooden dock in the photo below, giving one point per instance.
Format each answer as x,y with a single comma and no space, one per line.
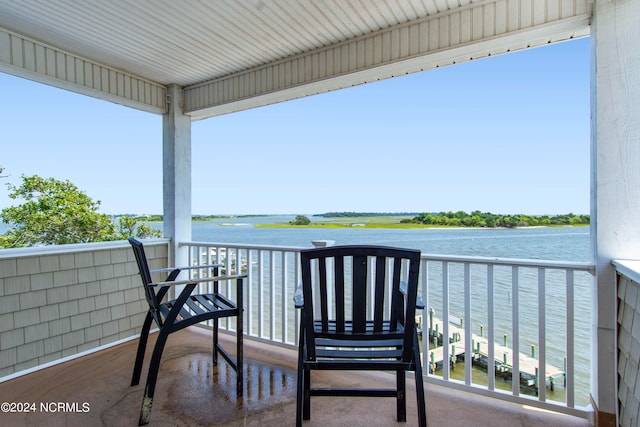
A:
528,366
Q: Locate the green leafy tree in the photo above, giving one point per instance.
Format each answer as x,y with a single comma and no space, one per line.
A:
56,213
129,227
53,213
300,220
487,219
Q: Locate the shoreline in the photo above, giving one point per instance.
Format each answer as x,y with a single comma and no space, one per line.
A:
406,226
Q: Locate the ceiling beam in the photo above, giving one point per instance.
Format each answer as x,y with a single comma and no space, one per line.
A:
46,64
478,30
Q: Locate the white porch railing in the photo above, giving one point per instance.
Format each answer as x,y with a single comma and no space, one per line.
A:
540,308
494,305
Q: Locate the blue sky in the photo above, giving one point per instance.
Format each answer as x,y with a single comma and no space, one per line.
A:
505,134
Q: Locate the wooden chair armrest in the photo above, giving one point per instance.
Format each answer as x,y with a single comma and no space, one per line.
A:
419,303
198,280
298,297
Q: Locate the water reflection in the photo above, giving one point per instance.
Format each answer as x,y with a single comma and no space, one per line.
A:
206,392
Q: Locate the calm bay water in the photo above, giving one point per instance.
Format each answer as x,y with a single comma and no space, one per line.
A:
565,244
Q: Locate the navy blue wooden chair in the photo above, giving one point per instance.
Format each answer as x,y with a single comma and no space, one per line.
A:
358,313
186,310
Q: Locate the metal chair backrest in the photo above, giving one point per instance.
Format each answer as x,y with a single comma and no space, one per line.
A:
145,275
360,293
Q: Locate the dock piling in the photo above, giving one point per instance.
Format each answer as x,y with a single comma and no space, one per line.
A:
533,351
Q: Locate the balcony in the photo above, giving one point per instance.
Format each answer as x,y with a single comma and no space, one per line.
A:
191,392
59,303
83,305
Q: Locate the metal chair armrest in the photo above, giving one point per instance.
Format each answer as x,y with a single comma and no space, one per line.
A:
419,303
298,297
198,280
193,267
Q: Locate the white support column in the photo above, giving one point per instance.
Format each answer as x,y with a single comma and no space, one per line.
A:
176,136
615,153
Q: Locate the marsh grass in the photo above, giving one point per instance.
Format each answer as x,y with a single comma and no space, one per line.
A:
354,222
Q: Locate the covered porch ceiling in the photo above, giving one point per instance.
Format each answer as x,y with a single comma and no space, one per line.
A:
231,55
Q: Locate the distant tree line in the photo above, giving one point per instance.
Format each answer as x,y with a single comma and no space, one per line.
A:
159,218
363,214
487,219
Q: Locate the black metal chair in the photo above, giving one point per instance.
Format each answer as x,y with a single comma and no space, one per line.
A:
177,314
359,314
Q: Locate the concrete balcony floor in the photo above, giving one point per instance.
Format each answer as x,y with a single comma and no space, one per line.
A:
192,392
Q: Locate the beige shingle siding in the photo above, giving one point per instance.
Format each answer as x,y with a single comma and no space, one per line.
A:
628,351
57,305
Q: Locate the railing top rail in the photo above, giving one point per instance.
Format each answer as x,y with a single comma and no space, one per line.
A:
629,268
246,246
565,265
34,251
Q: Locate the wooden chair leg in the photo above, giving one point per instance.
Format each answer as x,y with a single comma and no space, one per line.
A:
401,399
142,345
152,376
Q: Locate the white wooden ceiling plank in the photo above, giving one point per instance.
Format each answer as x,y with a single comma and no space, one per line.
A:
526,13
240,42
295,25
477,23
208,44
307,25
410,10
86,27
194,41
513,16
326,11
374,18
430,7
117,36
203,49
552,9
442,6
270,38
465,26
406,11
358,16
325,15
